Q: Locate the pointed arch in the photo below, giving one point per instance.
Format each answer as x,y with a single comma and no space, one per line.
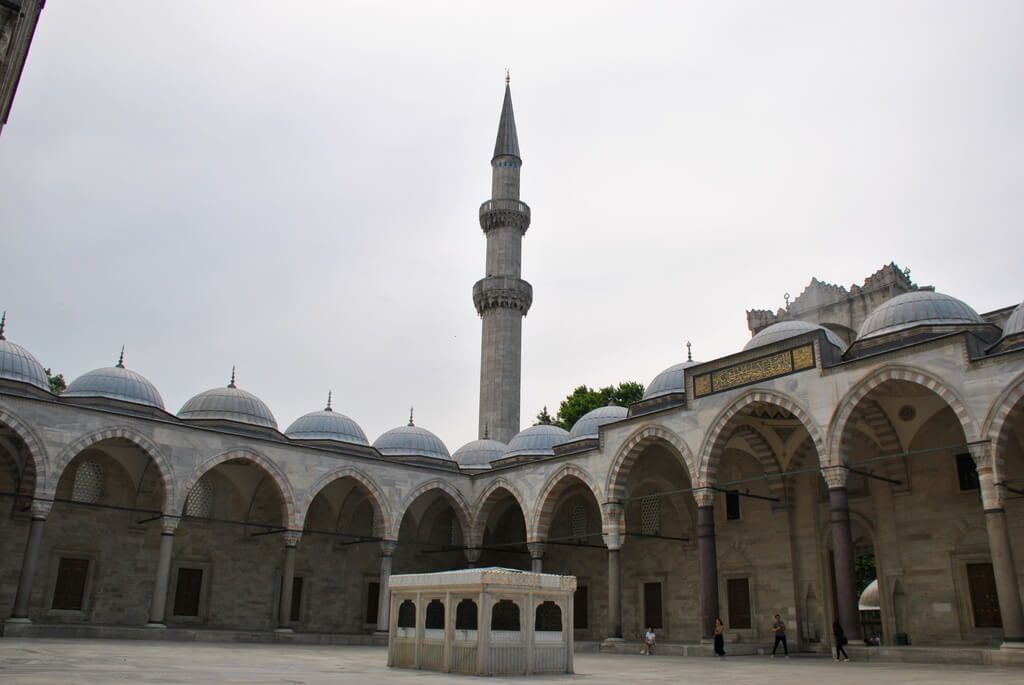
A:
841,426
634,446
382,509
1000,416
458,502
36,451
714,444
765,456
131,435
485,504
288,513
554,486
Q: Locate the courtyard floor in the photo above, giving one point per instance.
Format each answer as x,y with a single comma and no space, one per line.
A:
89,662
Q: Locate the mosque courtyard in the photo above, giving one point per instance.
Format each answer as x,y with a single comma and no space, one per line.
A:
87,662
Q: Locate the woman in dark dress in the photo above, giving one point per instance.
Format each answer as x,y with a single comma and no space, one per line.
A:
837,631
719,638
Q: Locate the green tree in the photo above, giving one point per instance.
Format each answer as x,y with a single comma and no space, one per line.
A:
864,570
57,383
584,399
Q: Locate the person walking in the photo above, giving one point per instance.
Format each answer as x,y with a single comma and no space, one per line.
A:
719,639
841,641
779,628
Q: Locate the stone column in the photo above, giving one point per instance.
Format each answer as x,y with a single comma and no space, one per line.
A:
614,543
387,550
707,554
536,556
40,510
842,550
472,556
284,614
1007,588
163,572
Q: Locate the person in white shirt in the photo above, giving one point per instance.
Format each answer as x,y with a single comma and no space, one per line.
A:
649,639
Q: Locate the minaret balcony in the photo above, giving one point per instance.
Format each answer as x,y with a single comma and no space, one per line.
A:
502,292
504,212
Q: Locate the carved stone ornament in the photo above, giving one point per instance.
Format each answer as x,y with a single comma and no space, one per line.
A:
292,537
705,497
835,476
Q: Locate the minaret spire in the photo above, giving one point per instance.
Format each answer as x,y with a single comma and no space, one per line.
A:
502,298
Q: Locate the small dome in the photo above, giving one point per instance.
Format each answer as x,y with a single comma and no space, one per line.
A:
326,425
869,598
116,383
479,454
917,308
411,441
536,441
228,404
790,329
587,425
672,379
18,364
1015,324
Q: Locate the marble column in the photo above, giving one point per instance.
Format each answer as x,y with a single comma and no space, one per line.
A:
707,555
284,614
40,511
1003,568
158,606
387,551
614,543
842,551
536,556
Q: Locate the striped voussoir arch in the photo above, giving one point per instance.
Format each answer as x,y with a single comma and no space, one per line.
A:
718,436
458,502
284,486
381,508
1006,411
884,435
485,504
842,426
627,455
128,433
759,448
38,484
556,484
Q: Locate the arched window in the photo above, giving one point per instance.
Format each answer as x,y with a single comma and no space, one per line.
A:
435,615
200,500
407,614
549,617
88,483
650,515
505,615
466,615
578,521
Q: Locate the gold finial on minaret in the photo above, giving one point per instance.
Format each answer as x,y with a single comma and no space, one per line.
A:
508,77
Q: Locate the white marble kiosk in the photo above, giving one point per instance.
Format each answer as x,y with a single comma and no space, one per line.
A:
482,621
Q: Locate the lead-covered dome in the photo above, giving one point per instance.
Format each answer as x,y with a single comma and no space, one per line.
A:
672,379
587,425
116,383
917,308
18,364
790,329
411,441
326,424
1015,323
228,404
536,441
479,454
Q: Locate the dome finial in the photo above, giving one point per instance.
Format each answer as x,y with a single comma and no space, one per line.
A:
3,322
689,351
410,417
508,77
487,431
120,360
328,407
232,383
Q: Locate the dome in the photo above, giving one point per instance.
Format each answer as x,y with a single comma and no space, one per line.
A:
116,383
536,441
672,379
411,441
228,404
326,425
479,454
586,426
18,364
790,329
869,598
1015,324
917,308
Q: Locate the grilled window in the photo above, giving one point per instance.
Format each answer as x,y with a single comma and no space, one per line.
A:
650,515
88,483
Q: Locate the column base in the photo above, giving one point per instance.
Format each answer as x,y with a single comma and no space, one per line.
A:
1013,645
18,621
283,630
152,624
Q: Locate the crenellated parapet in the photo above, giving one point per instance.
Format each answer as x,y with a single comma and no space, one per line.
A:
502,292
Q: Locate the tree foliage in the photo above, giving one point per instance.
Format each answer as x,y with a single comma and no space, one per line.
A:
584,399
57,383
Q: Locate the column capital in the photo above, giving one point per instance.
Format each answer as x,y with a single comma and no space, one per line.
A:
169,524
292,537
537,549
613,541
387,547
705,497
835,476
41,508
981,453
472,554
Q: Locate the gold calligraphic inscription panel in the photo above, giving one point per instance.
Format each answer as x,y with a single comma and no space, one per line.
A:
762,369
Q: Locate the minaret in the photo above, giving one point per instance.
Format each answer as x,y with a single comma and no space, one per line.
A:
502,298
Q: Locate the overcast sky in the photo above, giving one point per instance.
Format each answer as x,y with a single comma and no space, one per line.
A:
293,187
